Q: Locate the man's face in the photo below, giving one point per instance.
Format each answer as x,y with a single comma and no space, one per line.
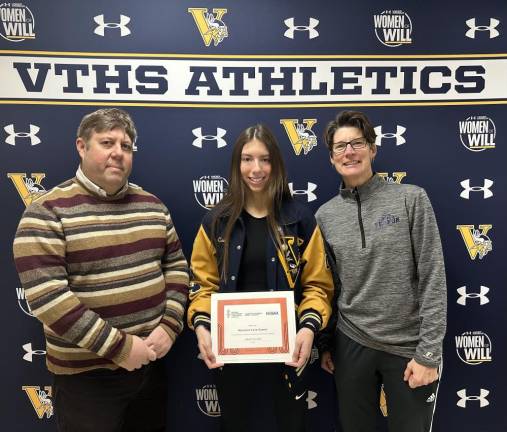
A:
106,159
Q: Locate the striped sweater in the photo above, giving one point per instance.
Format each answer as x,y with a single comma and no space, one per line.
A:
99,269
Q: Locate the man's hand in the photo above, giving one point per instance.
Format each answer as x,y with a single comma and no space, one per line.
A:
326,362
204,344
303,348
159,341
418,375
140,354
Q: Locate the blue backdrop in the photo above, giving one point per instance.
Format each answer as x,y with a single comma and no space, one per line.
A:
431,76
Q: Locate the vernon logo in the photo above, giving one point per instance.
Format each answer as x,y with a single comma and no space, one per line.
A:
28,188
40,399
210,25
301,135
22,302
207,400
393,28
397,176
474,348
209,190
18,23
477,242
289,259
477,133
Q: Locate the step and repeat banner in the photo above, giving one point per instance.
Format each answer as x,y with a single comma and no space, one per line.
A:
432,77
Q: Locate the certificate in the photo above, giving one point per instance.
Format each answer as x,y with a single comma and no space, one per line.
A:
253,327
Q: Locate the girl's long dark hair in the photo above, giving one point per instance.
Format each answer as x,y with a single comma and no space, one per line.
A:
234,200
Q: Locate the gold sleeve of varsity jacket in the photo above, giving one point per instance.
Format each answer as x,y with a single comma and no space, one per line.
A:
316,279
205,277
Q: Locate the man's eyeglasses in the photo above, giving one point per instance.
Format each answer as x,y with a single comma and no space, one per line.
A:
356,144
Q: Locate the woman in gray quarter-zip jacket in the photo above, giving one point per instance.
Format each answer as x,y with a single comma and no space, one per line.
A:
390,313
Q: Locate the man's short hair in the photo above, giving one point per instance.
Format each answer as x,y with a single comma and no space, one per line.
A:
355,119
104,120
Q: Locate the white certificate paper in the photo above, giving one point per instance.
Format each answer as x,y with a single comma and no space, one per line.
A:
253,327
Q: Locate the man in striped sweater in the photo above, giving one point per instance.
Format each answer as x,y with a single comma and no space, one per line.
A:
103,270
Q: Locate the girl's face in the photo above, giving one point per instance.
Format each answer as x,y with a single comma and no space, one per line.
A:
255,166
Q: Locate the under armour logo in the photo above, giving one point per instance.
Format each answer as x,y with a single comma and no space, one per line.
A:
12,134
400,130
484,189
493,24
310,28
219,137
31,352
462,403
309,191
464,295
310,399
122,25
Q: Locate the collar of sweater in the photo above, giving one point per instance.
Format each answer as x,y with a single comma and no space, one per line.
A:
364,191
97,190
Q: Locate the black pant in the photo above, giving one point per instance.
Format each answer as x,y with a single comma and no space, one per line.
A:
112,401
254,397
359,373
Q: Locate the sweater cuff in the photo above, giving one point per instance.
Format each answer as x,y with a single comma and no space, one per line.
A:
201,318
428,359
172,334
311,319
124,350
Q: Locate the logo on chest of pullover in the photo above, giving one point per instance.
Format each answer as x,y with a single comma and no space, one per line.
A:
386,220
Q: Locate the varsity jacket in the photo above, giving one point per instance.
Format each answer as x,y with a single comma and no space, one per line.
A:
300,267
389,261
97,269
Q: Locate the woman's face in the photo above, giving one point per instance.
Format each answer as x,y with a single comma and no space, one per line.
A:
255,166
353,164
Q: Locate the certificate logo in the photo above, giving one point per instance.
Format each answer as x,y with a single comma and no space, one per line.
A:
477,133
207,400
393,28
209,190
18,22
474,347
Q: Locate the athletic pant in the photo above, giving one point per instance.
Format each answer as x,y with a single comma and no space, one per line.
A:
254,397
112,401
359,373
